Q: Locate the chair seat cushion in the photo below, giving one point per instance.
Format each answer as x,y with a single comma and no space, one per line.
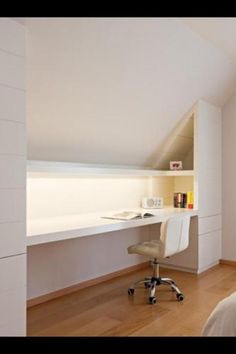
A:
149,248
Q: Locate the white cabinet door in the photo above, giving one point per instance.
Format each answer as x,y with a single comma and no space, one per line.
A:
12,239
209,249
12,36
13,296
13,70
209,223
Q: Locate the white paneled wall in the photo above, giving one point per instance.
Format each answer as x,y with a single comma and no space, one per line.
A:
11,240
12,37
12,179
15,145
14,171
13,74
12,112
12,295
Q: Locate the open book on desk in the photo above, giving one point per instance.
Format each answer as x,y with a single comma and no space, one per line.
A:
128,215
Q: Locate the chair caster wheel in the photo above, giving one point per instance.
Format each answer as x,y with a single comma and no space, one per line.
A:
152,300
131,291
180,297
147,285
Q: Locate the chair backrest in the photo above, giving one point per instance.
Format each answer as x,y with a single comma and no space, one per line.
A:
175,235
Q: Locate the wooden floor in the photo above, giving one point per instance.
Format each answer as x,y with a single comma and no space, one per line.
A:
107,310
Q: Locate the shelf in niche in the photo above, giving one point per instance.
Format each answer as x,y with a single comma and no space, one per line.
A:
176,173
36,168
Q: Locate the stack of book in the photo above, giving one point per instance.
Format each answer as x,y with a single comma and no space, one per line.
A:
183,200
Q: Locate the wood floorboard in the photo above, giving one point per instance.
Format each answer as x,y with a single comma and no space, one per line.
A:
106,309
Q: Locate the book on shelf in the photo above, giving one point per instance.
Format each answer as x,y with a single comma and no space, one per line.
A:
128,215
190,199
183,200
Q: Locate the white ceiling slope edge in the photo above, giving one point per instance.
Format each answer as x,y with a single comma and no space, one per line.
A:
110,90
218,30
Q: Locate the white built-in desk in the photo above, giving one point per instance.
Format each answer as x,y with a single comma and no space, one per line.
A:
72,226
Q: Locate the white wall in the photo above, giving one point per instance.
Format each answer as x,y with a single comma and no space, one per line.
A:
228,179
12,180
109,90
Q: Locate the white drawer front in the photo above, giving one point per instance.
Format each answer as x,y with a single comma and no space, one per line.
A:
13,296
12,36
12,272
12,239
12,104
13,312
12,138
209,192
209,248
13,171
208,224
13,205
12,71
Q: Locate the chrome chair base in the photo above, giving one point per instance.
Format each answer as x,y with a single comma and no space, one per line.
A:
151,283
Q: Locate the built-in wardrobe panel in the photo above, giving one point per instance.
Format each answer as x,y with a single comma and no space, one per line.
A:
12,179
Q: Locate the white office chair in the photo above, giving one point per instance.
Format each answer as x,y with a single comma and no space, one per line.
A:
174,238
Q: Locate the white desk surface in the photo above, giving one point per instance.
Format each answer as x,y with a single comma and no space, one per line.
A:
72,226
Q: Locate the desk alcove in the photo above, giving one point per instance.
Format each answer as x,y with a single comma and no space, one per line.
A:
81,248
66,251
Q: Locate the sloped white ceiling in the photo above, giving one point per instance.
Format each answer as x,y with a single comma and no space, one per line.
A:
109,90
218,30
